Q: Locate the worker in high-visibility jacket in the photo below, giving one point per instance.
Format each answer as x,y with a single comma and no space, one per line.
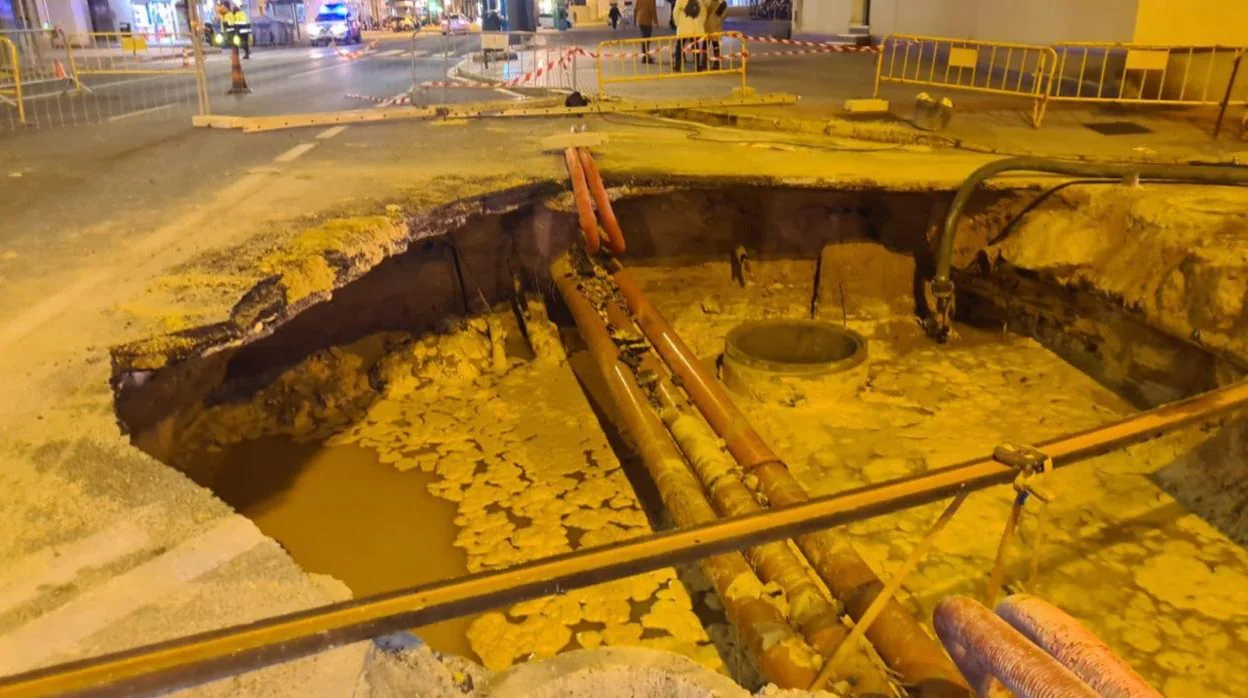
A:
241,25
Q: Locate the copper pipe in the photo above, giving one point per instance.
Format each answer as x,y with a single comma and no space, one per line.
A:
195,659
896,635
818,620
611,226
580,193
782,655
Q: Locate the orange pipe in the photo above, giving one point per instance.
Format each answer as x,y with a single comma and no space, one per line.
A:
809,609
782,655
611,226
580,192
896,634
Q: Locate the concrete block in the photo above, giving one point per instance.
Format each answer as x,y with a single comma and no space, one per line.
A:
866,106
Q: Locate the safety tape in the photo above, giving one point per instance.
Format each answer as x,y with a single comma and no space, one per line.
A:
466,83
358,53
822,46
813,48
560,60
368,98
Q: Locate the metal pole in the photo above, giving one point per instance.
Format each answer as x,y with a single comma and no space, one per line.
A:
201,77
207,656
1226,98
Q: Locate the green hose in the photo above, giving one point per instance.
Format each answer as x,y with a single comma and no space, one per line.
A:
940,320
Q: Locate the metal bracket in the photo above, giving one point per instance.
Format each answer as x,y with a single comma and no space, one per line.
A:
1032,465
940,321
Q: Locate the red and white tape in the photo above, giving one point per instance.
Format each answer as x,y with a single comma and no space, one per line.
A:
380,101
818,46
541,70
811,48
358,53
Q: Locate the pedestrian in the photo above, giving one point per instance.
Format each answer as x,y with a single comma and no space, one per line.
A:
671,14
614,16
241,24
715,11
646,13
690,30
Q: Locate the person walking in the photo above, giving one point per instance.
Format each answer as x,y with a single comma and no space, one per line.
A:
646,13
690,28
614,16
715,11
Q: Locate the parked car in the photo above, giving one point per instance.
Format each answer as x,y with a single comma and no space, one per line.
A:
401,24
455,24
335,24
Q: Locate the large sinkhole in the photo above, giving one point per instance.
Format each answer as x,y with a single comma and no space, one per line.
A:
439,415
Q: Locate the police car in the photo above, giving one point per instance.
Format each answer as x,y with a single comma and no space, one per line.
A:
334,24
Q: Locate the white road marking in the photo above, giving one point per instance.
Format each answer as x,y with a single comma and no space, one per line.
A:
59,632
330,132
56,565
294,152
419,54
513,95
140,112
55,304
391,52
50,306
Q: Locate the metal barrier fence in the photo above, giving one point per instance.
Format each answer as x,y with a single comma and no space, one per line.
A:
1017,70
671,57
476,64
11,80
99,78
1145,73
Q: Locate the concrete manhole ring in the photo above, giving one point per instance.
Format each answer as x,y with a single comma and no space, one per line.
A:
781,359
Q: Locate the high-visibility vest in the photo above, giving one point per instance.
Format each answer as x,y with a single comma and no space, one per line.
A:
240,21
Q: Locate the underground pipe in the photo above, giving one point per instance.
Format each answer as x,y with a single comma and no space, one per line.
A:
941,318
1023,668
580,194
195,659
610,226
896,635
782,655
818,620
1074,646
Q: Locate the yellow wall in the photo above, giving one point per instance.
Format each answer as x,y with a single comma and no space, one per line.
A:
1192,22
1026,21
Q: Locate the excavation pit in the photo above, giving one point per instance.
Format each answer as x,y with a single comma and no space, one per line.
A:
438,416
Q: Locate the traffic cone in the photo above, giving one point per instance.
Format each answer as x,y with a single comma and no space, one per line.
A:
59,71
238,84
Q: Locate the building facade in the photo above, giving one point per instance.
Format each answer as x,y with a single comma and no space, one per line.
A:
1032,21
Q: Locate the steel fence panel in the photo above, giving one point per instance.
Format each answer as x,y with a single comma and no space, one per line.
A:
991,67
671,57
1130,73
92,78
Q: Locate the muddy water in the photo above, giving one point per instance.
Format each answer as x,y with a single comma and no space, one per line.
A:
468,461
340,511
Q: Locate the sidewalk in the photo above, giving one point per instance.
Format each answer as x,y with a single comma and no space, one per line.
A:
983,122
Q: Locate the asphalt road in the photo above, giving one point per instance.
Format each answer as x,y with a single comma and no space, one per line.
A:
133,147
